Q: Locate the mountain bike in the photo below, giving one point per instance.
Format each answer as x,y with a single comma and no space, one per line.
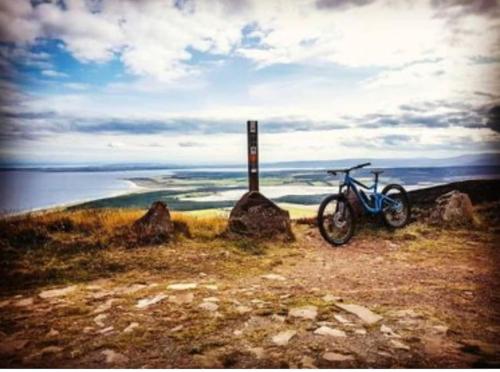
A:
336,217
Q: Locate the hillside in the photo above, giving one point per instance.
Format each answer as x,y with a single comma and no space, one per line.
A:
76,293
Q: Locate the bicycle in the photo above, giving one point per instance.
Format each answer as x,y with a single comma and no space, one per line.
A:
336,218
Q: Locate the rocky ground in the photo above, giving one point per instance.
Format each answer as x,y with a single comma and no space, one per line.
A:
418,297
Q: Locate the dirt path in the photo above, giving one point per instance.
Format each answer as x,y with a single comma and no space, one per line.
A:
426,298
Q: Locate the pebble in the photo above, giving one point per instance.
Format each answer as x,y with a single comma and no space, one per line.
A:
209,306
243,309
440,329
212,287
305,312
331,298
131,327
274,277
327,331
53,333
52,293
177,329
399,345
388,332
211,299
99,319
24,302
106,330
146,302
183,298
307,362
112,357
258,352
360,331
341,319
182,286
336,357
361,312
105,306
282,338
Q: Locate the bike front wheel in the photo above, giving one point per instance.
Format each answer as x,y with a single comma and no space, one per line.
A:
336,220
396,209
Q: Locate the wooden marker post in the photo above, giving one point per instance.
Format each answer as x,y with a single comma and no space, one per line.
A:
253,156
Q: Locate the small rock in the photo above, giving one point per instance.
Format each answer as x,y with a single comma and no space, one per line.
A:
361,312
278,318
327,331
335,357
305,312
202,274
360,331
131,327
243,309
209,306
388,332
105,306
177,329
258,352
24,302
384,354
274,277
4,303
53,333
182,286
399,345
52,293
51,350
307,362
331,298
237,332
87,330
341,319
146,302
112,357
211,299
106,330
212,287
282,338
183,298
440,329
99,319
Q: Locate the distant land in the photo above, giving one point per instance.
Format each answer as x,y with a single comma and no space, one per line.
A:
482,159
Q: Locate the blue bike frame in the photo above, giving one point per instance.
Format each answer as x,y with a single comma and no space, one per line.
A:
378,198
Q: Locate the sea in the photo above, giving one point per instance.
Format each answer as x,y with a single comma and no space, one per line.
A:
36,189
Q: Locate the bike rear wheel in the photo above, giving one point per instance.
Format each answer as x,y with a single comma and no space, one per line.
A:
336,220
396,214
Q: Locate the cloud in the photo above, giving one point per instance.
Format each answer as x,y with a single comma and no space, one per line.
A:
494,118
341,4
53,73
191,144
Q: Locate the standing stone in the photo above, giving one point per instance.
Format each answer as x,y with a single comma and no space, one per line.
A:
453,208
155,226
255,216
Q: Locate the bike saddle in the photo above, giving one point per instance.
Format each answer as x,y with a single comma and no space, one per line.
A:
377,171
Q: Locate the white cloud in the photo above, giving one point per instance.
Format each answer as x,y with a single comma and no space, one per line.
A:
53,73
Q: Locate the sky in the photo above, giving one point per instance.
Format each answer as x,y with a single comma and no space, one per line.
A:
174,81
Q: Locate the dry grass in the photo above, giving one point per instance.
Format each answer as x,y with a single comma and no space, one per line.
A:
68,246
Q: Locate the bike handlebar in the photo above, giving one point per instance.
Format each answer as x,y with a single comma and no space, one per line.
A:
334,171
